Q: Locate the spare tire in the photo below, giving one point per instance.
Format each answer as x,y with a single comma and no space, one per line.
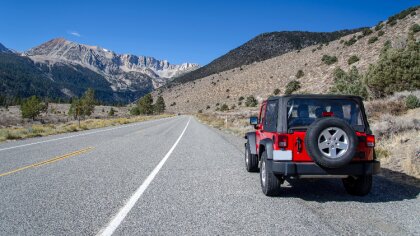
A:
331,142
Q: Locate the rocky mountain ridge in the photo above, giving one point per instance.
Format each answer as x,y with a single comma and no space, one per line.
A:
108,63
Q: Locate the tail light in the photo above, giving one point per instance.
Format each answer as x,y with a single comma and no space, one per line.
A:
282,141
327,114
370,140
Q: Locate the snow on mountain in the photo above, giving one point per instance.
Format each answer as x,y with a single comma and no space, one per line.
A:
108,63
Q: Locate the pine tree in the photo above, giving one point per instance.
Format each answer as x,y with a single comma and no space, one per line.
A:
32,107
80,108
159,106
145,105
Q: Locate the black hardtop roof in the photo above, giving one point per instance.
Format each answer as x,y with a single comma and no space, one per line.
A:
315,96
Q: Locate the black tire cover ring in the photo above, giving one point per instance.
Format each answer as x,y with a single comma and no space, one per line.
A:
321,157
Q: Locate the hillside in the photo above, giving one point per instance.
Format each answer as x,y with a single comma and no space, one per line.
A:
263,47
260,79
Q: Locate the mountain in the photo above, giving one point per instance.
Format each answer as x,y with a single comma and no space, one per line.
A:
117,68
263,47
21,77
4,49
61,69
307,65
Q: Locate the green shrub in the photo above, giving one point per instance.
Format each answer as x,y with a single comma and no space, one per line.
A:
397,69
353,59
111,112
349,83
380,33
379,26
366,31
392,23
329,60
292,87
241,98
412,102
372,39
300,74
351,41
415,28
276,91
251,101
207,107
224,107
200,111
135,111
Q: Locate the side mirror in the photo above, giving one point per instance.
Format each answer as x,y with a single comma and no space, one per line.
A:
253,120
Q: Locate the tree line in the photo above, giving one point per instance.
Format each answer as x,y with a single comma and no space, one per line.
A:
145,106
83,107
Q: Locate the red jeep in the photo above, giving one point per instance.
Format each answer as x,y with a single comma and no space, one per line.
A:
312,136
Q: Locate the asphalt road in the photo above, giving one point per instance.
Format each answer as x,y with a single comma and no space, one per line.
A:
176,176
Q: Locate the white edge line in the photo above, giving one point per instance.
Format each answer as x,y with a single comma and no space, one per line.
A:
83,134
122,213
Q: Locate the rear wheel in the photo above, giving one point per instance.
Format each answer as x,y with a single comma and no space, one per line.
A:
358,185
251,160
270,184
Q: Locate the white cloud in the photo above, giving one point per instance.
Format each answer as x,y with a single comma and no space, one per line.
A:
74,33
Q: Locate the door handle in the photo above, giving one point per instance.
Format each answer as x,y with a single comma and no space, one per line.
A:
299,145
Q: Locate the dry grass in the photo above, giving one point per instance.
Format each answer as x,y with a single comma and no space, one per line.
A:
388,125
400,152
49,129
233,123
394,105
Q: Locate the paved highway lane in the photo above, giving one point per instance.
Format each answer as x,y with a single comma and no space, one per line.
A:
201,188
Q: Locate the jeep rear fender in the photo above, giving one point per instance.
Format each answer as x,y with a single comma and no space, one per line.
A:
250,136
266,145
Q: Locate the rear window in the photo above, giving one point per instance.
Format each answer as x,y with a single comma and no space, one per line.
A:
301,112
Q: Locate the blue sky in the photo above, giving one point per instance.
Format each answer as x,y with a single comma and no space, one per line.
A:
179,31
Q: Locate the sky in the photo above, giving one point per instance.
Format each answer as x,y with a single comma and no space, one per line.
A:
180,30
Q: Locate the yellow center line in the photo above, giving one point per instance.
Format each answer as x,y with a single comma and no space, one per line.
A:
49,161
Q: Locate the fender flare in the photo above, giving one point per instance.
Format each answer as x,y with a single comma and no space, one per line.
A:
268,146
250,136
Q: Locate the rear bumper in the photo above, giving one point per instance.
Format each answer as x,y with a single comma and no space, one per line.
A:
311,168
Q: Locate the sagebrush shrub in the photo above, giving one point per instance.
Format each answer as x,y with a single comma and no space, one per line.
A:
353,59
372,39
350,83
329,60
251,101
292,87
300,74
412,102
